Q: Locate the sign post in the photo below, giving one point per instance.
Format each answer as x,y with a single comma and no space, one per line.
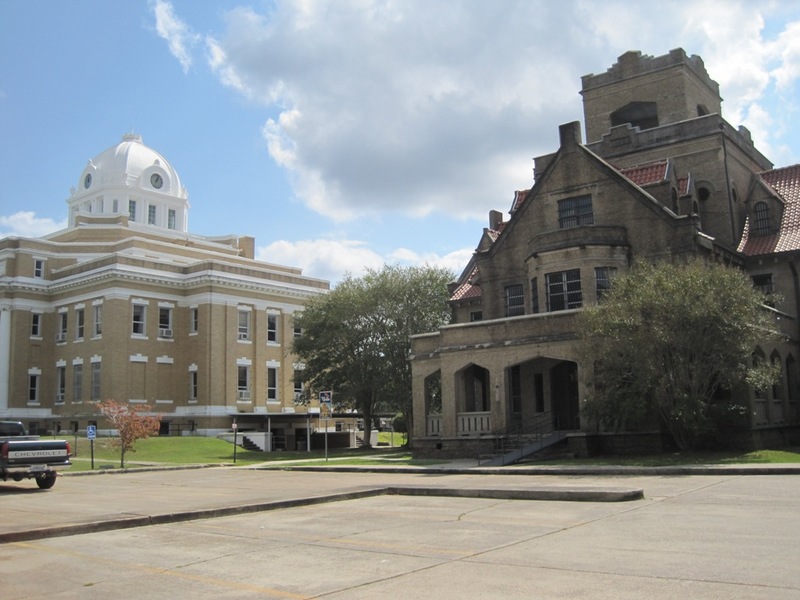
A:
326,411
91,434
235,435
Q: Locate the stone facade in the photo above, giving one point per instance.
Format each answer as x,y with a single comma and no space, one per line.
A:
662,175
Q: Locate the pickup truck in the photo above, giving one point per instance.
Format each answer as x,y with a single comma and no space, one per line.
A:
29,457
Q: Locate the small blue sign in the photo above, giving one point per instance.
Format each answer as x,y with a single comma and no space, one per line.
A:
91,432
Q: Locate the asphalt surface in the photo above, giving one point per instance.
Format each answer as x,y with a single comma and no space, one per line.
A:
453,531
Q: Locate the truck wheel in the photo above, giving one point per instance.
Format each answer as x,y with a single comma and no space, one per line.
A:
47,481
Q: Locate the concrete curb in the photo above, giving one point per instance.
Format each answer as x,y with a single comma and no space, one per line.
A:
128,522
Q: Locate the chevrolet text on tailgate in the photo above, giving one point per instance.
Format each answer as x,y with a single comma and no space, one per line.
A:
29,457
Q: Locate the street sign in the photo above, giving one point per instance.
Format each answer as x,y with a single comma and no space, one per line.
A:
91,432
326,404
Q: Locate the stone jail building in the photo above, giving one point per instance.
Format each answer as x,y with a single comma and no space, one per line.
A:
660,174
127,304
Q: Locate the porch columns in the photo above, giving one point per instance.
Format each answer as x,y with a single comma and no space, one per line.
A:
498,394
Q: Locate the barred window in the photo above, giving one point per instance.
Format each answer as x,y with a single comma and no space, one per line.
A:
573,212
515,300
564,290
761,222
603,276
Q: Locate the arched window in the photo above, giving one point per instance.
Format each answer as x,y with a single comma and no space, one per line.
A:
761,222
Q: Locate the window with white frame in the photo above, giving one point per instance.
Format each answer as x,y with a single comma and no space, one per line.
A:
194,319
61,383
96,371
151,215
79,323
61,334
33,388
132,210
165,322
192,386
298,385
38,268
139,320
272,384
36,324
171,220
272,328
77,382
243,383
244,324
97,320
564,290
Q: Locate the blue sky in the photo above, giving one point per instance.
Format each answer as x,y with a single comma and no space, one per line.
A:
349,134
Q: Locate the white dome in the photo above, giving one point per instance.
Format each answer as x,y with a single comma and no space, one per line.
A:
131,163
135,179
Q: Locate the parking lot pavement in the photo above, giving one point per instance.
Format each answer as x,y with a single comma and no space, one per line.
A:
700,537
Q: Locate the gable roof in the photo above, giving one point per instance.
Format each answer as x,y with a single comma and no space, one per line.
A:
784,183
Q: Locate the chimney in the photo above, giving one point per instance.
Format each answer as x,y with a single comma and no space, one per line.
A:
495,219
570,135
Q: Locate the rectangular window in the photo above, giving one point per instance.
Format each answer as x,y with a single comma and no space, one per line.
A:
243,383
603,276
36,324
298,331
194,320
38,268
515,385
165,322
138,325
535,295
33,389
272,384
97,318
171,218
115,206
476,315
193,386
132,210
272,328
515,300
765,285
61,384
151,215
96,366
79,323
77,383
61,336
244,324
298,385
564,290
573,212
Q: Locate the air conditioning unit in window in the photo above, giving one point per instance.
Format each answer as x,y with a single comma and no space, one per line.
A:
59,398
165,333
244,336
244,395
61,337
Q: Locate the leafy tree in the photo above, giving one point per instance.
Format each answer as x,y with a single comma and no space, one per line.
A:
667,340
356,338
132,423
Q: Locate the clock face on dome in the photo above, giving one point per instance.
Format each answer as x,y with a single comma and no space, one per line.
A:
156,181
87,181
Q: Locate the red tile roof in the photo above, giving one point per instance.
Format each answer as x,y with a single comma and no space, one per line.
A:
785,183
467,289
647,173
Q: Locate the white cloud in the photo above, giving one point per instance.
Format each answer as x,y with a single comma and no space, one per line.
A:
425,107
332,259
27,224
177,34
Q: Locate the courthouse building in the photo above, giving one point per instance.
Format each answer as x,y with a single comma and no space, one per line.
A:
661,175
126,304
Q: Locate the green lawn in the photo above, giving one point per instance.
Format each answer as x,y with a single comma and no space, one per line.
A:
204,450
